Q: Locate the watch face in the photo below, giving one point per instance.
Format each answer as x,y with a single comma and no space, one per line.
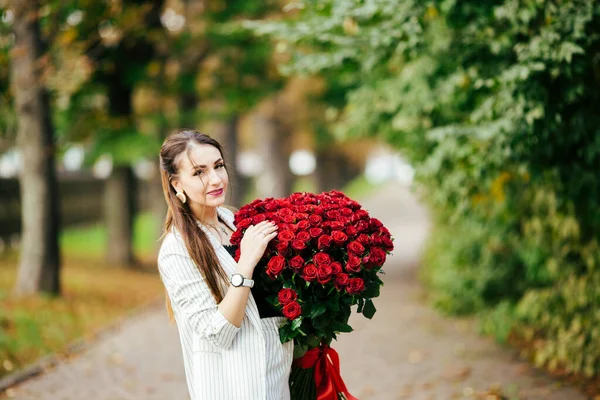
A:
237,280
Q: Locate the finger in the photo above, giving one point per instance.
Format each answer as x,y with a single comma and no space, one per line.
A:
270,236
270,229
263,224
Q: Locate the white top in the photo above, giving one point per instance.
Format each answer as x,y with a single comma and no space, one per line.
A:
221,361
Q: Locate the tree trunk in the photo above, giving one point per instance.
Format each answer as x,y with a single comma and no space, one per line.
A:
276,180
119,212
188,104
39,265
119,193
238,184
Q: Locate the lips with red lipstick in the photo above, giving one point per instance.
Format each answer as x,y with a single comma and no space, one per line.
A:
217,192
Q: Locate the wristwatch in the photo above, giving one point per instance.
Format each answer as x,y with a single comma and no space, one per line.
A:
238,280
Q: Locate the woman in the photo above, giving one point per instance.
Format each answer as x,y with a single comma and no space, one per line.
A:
231,347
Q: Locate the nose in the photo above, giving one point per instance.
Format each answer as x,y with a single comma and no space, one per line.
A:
213,177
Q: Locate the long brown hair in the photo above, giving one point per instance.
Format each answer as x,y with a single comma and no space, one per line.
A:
179,215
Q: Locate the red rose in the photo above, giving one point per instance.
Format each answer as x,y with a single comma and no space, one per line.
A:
301,216
302,208
346,211
259,218
324,273
336,268
336,225
322,258
377,256
275,266
286,235
361,215
353,264
303,236
236,238
315,232
315,219
375,224
243,224
355,286
362,226
296,263
356,248
285,211
292,310
341,280
286,295
289,219
339,237
283,248
388,245
324,242
351,231
304,224
298,245
290,227
383,231
271,205
309,273
364,239
376,240
238,254
332,214
319,210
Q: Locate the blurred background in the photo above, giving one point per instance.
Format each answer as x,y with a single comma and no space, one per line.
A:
489,111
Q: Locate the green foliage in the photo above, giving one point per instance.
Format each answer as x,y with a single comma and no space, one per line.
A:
496,105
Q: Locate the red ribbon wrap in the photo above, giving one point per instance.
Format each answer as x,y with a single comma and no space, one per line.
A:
328,380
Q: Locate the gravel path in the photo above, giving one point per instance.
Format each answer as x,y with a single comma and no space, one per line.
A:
407,351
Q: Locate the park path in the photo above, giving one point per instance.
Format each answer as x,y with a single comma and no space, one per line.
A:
407,351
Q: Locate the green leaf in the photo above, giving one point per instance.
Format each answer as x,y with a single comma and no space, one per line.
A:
369,310
296,323
361,304
372,291
341,327
318,310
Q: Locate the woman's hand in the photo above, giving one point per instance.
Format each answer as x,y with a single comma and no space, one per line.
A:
253,245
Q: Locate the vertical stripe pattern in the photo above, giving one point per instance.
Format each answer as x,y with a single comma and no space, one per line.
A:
221,360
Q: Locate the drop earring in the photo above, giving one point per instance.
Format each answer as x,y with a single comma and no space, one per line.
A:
181,196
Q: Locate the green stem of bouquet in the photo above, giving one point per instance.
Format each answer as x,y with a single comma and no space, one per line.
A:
302,384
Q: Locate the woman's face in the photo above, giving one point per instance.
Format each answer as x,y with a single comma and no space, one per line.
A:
202,176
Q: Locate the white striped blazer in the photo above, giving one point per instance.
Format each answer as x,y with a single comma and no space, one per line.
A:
221,360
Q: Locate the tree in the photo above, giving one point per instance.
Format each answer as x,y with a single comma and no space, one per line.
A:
495,103
117,42
39,265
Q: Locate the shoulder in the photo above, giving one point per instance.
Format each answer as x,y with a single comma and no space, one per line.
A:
172,243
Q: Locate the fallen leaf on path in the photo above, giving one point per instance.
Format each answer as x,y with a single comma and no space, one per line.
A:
405,392
457,374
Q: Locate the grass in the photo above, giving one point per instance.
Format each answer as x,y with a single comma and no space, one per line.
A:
94,295
360,188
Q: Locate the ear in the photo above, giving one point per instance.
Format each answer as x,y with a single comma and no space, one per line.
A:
176,185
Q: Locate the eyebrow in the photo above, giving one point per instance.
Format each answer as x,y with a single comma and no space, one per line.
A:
204,166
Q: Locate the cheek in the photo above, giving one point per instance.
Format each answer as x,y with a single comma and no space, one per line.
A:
194,185
224,176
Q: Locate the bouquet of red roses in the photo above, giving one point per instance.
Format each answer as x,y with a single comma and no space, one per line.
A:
325,259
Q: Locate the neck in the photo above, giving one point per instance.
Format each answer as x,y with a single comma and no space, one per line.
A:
206,215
